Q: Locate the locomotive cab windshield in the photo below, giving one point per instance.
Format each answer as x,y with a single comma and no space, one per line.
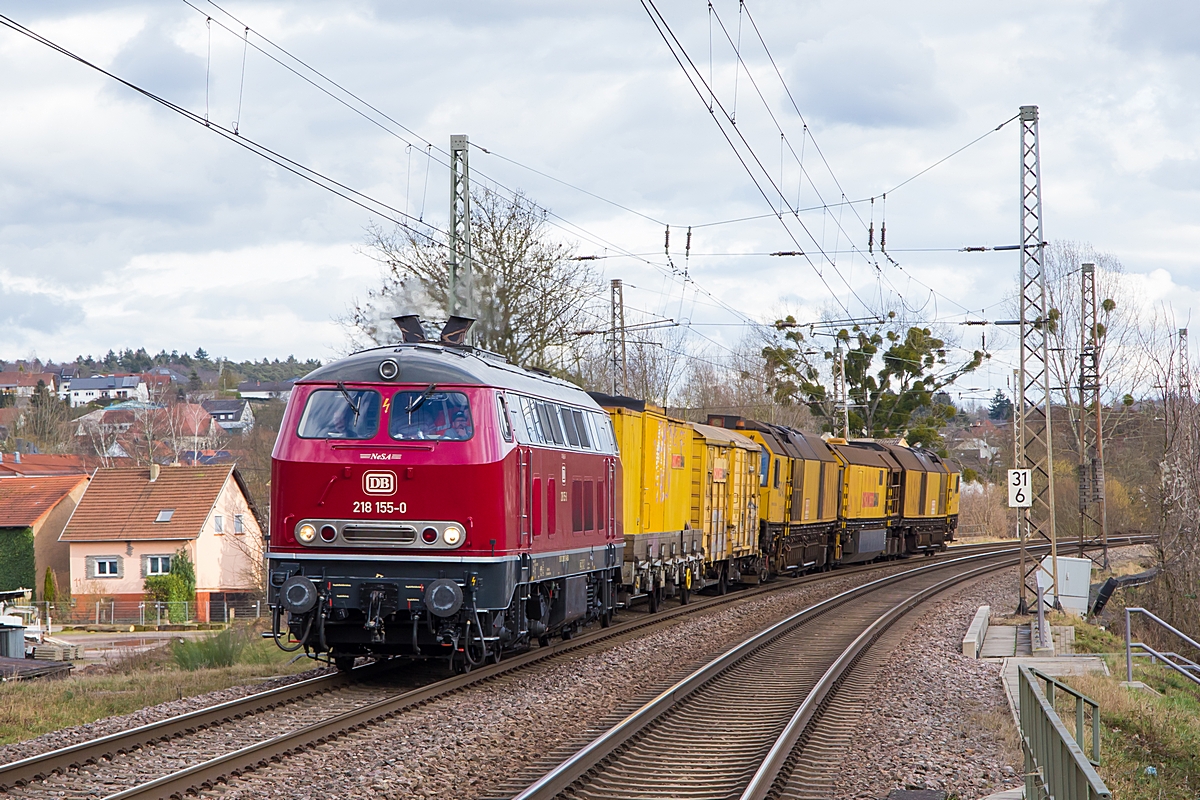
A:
431,415
341,413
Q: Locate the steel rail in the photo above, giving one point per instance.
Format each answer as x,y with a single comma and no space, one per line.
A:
578,765
40,766
772,767
605,748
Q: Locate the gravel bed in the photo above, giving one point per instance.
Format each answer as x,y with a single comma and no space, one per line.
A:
462,746
103,727
946,724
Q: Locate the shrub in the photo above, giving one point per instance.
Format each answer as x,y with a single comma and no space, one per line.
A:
221,650
49,587
177,589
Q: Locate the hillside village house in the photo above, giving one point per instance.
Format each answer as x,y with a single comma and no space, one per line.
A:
107,387
24,384
131,522
233,415
266,390
33,512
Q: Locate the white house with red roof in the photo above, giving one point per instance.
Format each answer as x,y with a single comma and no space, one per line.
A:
131,522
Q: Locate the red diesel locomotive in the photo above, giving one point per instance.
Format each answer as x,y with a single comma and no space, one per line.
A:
432,500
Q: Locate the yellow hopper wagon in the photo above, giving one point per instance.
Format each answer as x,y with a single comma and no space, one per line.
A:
664,551
725,482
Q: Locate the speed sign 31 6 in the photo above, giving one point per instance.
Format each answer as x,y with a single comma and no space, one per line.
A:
1019,493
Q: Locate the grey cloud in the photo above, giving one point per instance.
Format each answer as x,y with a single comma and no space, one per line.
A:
871,78
37,312
1166,26
152,60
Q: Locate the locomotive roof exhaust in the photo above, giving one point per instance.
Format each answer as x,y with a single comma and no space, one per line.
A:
411,331
454,331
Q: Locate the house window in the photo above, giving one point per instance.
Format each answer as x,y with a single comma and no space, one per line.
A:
238,525
218,524
158,565
104,566
165,515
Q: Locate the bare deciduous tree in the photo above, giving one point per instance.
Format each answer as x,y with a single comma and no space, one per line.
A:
531,296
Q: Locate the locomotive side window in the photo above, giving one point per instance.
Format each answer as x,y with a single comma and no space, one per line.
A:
568,423
442,416
582,428
548,415
505,425
340,414
532,424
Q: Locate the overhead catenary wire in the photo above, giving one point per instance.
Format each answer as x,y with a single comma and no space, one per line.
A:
680,55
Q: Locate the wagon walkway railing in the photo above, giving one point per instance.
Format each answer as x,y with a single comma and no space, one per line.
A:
1056,765
1181,664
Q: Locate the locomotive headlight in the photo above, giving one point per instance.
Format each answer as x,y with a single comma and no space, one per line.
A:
452,535
306,533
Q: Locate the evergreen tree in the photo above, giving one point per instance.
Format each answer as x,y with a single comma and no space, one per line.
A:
1000,407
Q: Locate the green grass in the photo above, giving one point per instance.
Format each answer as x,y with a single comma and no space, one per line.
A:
1140,729
220,650
130,682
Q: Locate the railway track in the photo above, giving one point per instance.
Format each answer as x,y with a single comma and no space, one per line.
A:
725,731
200,748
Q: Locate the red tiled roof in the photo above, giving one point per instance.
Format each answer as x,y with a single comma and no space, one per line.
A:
23,501
122,504
40,465
29,379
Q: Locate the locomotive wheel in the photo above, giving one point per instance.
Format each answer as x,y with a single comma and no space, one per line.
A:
543,641
567,634
343,663
461,665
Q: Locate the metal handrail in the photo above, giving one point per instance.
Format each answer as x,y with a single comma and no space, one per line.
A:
1185,671
1055,763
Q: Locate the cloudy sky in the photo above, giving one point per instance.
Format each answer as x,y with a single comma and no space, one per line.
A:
122,223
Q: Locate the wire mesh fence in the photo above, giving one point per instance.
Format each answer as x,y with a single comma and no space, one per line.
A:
111,611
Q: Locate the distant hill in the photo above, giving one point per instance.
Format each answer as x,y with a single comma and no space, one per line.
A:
200,362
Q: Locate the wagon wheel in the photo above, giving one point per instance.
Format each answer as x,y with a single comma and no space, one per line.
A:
652,599
685,588
606,618
723,581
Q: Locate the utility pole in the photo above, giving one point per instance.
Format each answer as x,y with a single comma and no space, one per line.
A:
1093,527
462,298
841,405
1034,441
620,366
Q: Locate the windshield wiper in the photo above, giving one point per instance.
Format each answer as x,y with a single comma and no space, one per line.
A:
415,404
342,388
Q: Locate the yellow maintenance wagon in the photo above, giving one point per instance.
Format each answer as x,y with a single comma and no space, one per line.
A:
725,481
870,491
663,550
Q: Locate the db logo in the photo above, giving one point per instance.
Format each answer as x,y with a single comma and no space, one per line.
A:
379,482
